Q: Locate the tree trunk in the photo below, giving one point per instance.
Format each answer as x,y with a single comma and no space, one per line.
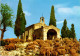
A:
3,30
17,37
21,37
2,34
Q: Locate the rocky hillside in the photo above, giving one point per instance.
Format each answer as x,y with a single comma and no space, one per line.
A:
56,47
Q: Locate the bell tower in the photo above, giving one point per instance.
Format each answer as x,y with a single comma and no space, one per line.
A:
42,20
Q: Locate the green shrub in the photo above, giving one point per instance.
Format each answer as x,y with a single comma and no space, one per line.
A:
3,43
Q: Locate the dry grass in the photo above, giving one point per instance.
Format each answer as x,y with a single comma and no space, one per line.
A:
55,47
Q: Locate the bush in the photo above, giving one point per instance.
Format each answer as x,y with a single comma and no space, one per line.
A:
11,46
54,53
49,42
3,43
61,51
55,47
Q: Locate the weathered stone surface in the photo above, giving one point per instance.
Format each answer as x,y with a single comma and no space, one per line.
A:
40,31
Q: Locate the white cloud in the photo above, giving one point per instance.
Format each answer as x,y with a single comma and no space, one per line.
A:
75,10
65,10
59,22
27,13
60,5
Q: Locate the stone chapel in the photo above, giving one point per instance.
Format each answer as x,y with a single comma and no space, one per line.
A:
41,31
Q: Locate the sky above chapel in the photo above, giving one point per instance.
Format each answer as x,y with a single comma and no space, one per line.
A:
33,9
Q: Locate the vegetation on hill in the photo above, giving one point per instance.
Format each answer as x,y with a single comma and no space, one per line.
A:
73,35
6,18
12,40
3,43
52,17
20,21
68,32
65,32
11,46
53,47
39,47
64,28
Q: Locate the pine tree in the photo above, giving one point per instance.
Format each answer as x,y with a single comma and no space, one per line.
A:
20,21
64,29
52,17
73,35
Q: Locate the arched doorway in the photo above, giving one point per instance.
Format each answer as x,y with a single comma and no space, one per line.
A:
51,34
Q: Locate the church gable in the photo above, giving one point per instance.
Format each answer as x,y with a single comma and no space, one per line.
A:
41,31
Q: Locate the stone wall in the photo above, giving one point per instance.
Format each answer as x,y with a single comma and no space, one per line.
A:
40,31
45,30
39,25
38,34
28,33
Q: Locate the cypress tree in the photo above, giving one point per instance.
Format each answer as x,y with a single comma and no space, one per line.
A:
20,21
52,17
68,32
73,35
64,29
23,23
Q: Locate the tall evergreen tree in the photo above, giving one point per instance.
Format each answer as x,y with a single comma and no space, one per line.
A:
23,23
64,29
68,32
73,35
20,21
52,17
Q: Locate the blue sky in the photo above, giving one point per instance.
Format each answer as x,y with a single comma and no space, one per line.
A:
33,9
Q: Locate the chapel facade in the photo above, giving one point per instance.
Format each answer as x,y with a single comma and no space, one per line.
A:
41,31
